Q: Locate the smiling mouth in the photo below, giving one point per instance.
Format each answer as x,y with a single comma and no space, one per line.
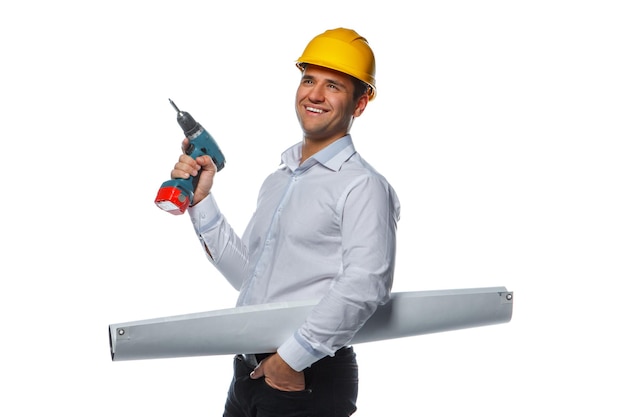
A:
314,110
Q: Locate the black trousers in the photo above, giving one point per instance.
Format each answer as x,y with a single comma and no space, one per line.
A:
331,391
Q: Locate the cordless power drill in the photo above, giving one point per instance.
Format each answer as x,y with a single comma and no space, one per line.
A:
176,195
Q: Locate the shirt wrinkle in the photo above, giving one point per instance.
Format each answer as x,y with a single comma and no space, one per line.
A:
315,234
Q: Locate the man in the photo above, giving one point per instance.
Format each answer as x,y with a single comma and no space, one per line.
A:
324,228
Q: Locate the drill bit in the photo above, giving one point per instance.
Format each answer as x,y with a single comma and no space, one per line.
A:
174,105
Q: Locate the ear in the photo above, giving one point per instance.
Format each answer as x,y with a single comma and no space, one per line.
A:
361,104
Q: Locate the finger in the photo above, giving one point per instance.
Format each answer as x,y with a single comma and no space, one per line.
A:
186,159
206,162
184,168
257,372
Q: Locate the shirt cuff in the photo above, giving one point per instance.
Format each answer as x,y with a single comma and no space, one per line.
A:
297,355
204,214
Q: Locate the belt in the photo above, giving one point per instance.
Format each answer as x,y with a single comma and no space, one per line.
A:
252,360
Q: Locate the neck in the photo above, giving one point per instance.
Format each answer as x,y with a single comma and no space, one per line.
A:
311,147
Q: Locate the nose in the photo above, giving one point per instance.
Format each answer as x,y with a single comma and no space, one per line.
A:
316,93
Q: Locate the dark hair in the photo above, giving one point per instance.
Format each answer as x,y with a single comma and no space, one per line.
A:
360,88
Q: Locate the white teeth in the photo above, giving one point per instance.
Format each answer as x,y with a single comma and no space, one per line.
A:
314,110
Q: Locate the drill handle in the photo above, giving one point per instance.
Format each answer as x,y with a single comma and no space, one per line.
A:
202,143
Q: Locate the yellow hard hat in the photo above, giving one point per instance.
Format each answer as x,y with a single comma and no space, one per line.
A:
342,50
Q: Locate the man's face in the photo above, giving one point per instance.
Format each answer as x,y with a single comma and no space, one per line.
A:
325,105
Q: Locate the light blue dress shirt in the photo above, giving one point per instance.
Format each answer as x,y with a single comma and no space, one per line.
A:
325,230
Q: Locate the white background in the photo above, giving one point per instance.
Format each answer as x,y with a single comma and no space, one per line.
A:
501,125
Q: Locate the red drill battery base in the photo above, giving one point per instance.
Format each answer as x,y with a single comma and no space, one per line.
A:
172,199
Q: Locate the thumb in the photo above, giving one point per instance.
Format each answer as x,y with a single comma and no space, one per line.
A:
257,372
206,162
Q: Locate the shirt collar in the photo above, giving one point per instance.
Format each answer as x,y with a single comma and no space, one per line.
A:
332,156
